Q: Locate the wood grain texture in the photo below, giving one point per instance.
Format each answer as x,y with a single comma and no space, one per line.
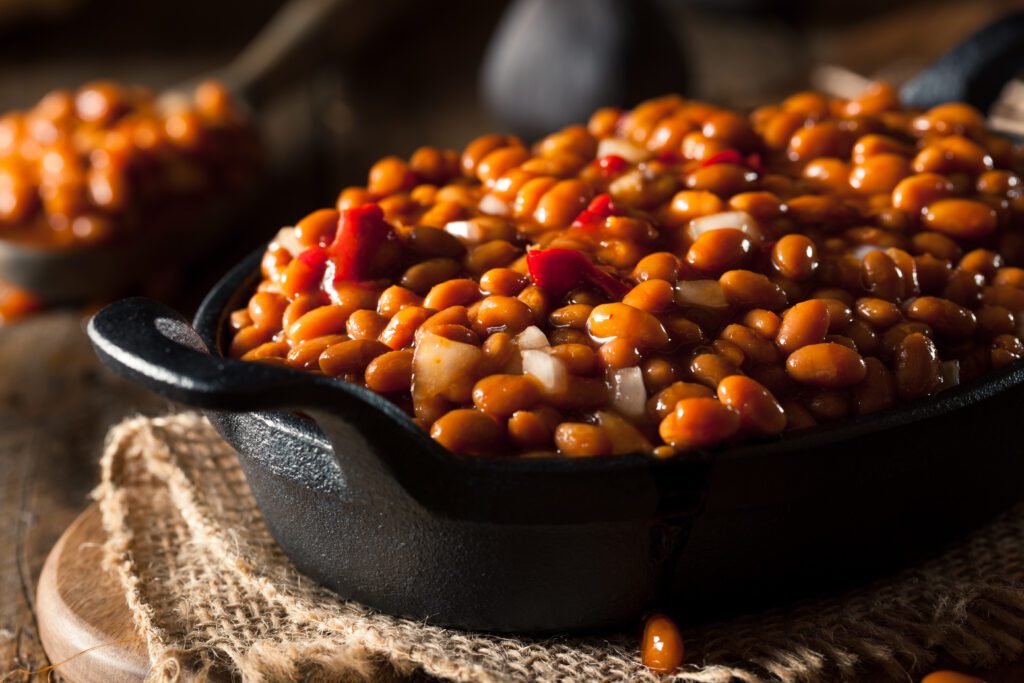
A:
56,405
83,618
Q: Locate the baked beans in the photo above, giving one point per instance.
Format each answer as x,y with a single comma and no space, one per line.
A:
671,278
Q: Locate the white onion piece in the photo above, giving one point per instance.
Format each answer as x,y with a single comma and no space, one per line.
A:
634,154
442,367
625,437
493,205
701,294
628,393
735,220
949,370
550,372
286,239
467,231
863,250
532,338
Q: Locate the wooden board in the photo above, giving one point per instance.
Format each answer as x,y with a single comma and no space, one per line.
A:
83,618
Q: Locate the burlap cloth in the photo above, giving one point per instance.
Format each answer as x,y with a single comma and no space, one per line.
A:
211,593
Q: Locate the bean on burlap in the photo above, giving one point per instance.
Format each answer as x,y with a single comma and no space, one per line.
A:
211,592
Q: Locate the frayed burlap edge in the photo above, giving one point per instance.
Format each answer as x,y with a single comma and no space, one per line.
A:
210,591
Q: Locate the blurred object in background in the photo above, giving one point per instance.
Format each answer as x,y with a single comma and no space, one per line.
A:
553,62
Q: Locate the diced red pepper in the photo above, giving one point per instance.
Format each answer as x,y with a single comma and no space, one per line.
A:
612,165
593,216
728,156
361,233
731,156
558,271
669,157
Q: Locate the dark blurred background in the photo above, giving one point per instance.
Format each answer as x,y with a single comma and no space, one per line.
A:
395,74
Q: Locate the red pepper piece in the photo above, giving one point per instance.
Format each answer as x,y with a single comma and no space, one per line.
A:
669,157
755,163
612,165
361,233
593,216
728,156
560,270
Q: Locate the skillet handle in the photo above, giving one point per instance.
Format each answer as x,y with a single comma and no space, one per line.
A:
155,346
974,71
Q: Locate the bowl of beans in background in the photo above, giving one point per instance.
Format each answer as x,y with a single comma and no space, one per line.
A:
98,183
678,356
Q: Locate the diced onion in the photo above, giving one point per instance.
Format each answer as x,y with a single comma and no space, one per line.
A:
286,239
622,148
550,372
532,338
735,220
442,367
628,393
493,206
950,372
701,294
467,231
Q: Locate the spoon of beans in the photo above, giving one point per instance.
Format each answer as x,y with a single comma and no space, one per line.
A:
101,185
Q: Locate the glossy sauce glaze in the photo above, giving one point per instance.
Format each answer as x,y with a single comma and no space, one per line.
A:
674,277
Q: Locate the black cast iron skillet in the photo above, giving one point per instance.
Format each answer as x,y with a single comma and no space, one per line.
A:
367,504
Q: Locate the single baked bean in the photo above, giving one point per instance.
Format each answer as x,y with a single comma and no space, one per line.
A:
953,154
933,274
318,228
690,204
533,429
578,439
503,395
320,321
895,335
434,242
266,310
390,372
653,296
828,406
425,274
390,175
350,356
953,118
765,323
915,193
401,329
828,174
881,277
717,251
937,245
795,257
944,316
395,298
657,266
618,320
747,289
729,351
435,165
917,366
877,391
579,359
1003,295
804,324
659,372
711,368
573,315
459,292
1006,348
503,281
662,648
759,412
826,365
619,352
489,255
365,324
503,314
879,312
982,261
960,218
537,300
698,423
994,321
664,402
468,431
267,350
879,173
756,348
